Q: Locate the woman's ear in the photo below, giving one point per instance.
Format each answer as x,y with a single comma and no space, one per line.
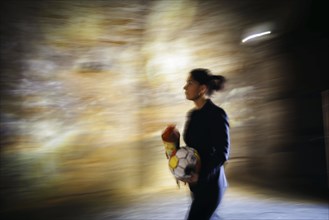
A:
204,89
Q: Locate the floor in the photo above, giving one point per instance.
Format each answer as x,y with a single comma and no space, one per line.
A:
240,202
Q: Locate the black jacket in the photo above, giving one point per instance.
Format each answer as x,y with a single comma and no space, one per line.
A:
207,131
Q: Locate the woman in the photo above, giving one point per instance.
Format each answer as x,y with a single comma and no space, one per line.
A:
207,131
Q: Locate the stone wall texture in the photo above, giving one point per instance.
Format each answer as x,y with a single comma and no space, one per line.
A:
88,86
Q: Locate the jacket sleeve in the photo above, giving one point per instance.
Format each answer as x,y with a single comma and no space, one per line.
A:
219,142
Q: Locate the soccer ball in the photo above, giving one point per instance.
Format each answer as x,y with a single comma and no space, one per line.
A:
185,161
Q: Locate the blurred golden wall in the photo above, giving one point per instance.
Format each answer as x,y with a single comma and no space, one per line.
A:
88,87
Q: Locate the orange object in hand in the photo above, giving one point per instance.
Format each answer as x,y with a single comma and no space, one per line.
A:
170,137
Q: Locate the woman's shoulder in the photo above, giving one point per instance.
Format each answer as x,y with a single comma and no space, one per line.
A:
216,109
218,114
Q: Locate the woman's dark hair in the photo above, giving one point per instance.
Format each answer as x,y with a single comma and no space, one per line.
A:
205,77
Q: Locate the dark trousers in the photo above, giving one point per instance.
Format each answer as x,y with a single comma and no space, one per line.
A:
205,201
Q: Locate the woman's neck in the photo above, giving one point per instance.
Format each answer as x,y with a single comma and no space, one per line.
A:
199,103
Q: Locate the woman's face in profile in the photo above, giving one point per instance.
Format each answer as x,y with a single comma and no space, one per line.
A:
192,89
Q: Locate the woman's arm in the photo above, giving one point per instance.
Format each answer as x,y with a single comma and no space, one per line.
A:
219,141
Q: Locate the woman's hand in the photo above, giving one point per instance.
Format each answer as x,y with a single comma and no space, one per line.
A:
193,179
